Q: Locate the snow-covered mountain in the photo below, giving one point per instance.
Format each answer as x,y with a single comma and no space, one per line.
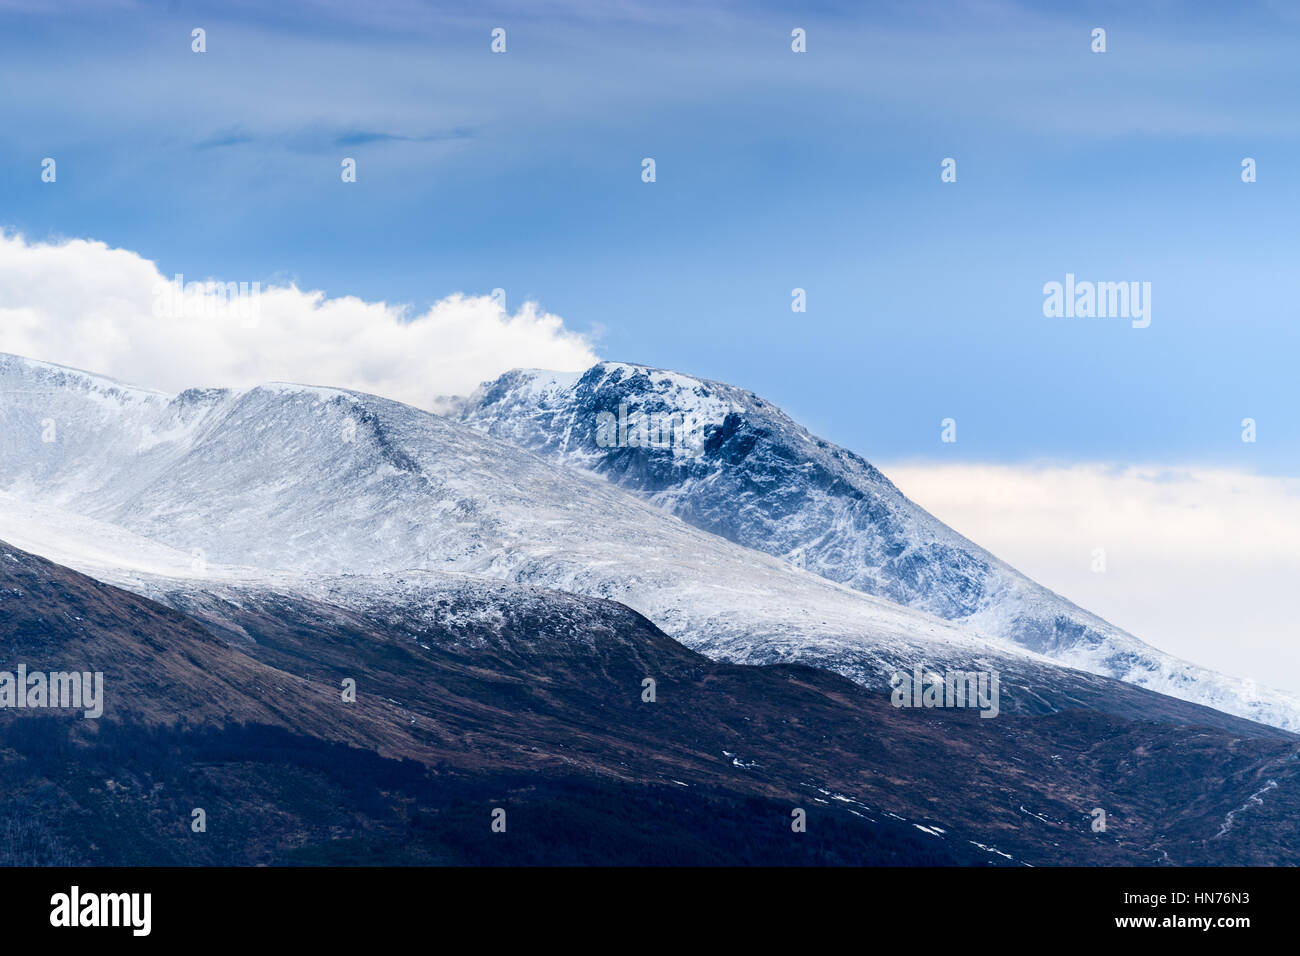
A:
286,485
285,478
728,462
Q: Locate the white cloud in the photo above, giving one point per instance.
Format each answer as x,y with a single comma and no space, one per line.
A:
1200,562
83,304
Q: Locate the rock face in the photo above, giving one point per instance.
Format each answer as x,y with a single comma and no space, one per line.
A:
737,466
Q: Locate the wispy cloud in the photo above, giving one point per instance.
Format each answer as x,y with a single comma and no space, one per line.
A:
220,140
322,138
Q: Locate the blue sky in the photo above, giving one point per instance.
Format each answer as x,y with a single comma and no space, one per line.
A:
775,171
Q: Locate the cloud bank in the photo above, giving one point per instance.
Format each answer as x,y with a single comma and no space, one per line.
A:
84,304
1199,562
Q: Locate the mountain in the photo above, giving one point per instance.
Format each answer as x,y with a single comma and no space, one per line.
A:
320,481
724,460
483,695
229,558
404,602
324,481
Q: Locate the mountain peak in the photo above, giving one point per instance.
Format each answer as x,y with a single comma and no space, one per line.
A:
768,545
763,481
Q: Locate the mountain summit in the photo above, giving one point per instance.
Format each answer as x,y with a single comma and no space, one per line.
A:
737,466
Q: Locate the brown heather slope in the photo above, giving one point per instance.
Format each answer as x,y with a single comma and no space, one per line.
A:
536,707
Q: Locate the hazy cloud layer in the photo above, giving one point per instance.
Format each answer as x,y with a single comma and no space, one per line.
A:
1200,562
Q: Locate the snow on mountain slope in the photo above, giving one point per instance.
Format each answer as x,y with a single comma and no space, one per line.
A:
736,465
314,481
322,481
435,606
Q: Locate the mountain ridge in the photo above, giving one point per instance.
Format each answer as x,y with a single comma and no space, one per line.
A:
762,480
329,481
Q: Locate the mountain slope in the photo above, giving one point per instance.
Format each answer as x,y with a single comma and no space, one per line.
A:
744,470
304,479
406,602
299,479
532,701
